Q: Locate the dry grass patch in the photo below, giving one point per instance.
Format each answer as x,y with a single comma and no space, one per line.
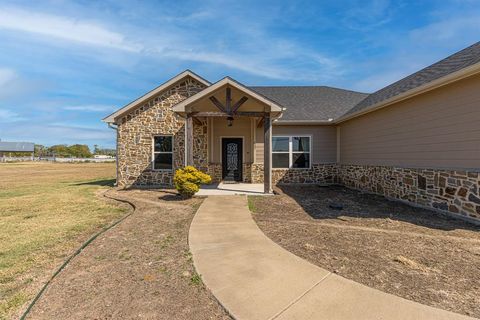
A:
141,269
46,211
409,263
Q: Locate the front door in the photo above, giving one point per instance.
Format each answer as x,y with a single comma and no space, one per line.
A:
232,159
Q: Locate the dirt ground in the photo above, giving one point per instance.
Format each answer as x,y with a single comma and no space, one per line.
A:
409,252
140,269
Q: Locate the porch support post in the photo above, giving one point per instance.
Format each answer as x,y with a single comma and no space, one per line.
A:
189,140
267,159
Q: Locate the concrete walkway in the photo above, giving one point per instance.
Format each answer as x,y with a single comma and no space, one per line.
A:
225,189
254,278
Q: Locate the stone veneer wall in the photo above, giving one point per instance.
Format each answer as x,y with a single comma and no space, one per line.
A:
247,172
200,148
452,191
455,191
215,171
318,174
137,128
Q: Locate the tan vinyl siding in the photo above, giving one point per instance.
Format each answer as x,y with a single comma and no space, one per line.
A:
438,129
259,137
324,143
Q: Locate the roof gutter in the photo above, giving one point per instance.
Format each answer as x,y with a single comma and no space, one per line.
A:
303,122
460,74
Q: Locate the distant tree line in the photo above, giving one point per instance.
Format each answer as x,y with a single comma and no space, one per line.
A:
66,151
104,151
70,151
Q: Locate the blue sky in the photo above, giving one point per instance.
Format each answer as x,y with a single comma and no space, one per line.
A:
64,65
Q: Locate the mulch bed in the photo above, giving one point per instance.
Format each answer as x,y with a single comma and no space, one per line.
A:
413,253
140,269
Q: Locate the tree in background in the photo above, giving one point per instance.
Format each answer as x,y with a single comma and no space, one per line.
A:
64,151
80,151
104,151
40,151
59,150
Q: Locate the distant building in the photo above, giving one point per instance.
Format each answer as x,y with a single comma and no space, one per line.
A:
102,156
7,147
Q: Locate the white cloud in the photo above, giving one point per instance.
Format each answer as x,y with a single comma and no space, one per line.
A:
231,61
7,116
65,28
12,85
368,15
420,47
456,29
302,65
378,81
260,53
90,108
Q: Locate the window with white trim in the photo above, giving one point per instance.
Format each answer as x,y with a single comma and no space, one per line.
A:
291,151
163,153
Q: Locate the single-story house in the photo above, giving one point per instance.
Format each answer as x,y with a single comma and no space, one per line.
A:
417,139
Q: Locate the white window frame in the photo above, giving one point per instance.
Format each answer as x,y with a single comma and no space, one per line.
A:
291,152
163,152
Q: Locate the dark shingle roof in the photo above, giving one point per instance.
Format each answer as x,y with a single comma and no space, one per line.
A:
16,146
460,60
312,103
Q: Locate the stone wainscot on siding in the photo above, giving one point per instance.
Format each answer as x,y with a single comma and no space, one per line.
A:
215,171
155,117
455,191
317,174
449,191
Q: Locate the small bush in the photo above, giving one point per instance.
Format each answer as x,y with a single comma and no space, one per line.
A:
187,181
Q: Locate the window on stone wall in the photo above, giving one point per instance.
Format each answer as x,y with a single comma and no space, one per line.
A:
163,153
291,151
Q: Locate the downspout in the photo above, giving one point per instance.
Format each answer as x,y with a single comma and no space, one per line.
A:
111,126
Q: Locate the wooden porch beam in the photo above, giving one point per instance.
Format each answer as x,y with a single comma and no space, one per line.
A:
267,165
228,100
218,104
260,123
238,104
223,114
198,122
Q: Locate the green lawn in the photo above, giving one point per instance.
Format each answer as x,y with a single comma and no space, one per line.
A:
46,211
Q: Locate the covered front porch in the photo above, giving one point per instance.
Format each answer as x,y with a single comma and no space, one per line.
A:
228,134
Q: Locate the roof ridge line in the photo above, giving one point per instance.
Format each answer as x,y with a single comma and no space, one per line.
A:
310,86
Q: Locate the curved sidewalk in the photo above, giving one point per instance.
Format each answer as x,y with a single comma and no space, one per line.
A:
254,278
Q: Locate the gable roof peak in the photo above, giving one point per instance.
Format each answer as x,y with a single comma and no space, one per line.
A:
186,73
275,107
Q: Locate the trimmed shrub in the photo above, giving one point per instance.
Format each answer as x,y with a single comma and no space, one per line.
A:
187,181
